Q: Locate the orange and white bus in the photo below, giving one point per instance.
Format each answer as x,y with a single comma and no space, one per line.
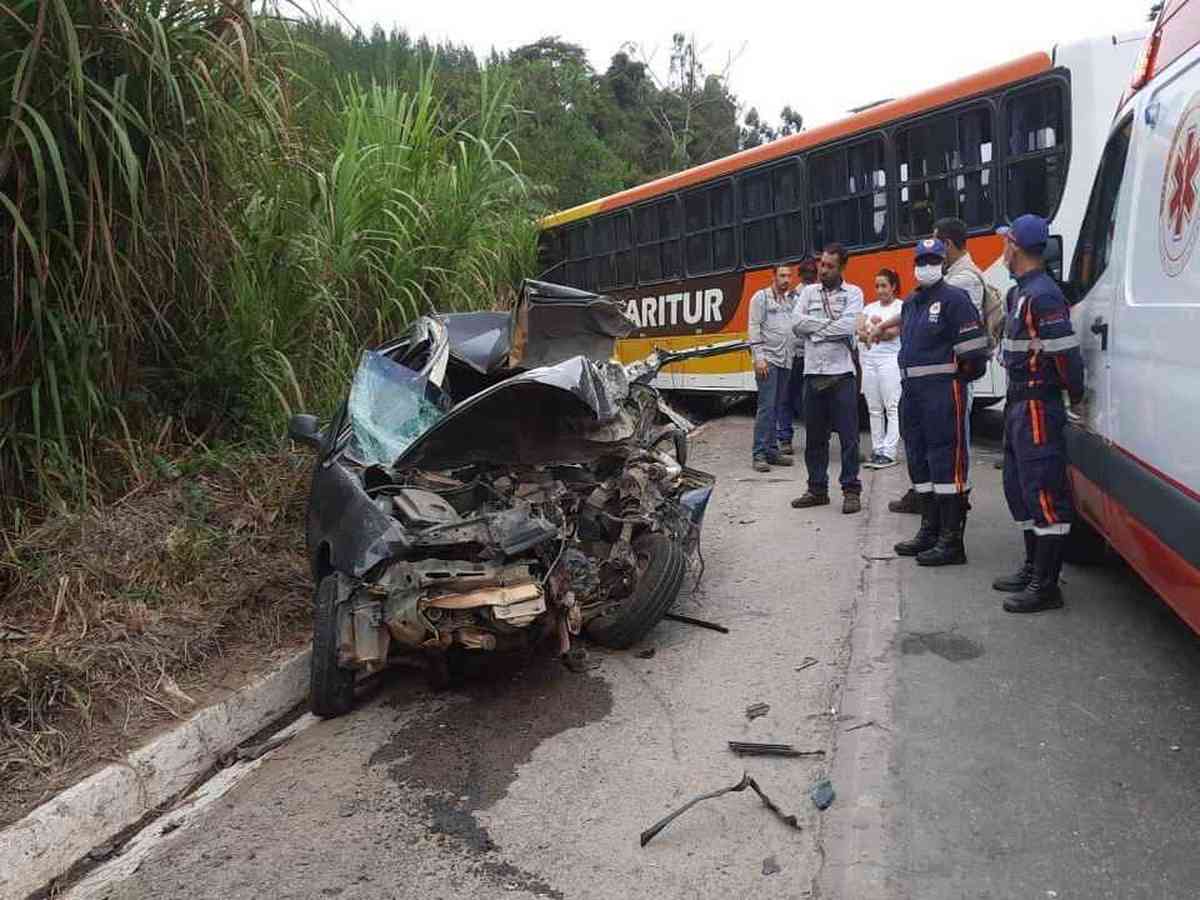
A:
686,252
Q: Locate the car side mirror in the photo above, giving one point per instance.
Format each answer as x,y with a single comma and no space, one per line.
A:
304,430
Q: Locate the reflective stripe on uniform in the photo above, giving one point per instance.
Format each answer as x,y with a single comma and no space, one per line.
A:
1049,345
1027,525
940,369
978,343
952,488
1059,528
925,487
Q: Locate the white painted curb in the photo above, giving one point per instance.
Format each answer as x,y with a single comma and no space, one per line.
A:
59,833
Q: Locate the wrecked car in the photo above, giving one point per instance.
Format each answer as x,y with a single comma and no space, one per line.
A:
497,481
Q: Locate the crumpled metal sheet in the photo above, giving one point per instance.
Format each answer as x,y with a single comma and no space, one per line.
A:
479,339
547,415
552,323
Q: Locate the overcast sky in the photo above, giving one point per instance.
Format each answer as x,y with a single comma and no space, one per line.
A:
846,54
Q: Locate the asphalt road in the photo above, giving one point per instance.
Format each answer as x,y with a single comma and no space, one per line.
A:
1055,755
975,754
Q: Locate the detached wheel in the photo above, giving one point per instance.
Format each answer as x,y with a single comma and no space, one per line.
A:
661,567
331,688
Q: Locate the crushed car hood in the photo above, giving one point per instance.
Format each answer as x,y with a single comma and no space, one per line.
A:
552,414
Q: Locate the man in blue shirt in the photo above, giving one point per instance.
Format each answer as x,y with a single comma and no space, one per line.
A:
942,347
1040,352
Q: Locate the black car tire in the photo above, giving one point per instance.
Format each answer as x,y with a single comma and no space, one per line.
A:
649,601
331,688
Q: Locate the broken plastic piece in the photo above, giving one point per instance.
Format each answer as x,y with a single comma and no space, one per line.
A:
699,623
806,663
822,794
746,782
749,748
770,866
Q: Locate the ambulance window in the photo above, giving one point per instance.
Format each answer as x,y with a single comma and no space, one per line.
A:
772,221
1036,150
1099,224
946,167
708,218
849,195
658,228
611,244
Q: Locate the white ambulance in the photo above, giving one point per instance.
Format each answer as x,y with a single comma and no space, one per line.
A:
1135,280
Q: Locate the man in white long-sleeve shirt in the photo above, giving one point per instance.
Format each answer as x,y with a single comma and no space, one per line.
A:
828,312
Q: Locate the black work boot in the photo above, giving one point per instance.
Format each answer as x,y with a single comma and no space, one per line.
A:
949,550
909,503
927,536
1019,580
1043,591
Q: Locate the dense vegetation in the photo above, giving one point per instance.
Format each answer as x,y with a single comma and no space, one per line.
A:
207,213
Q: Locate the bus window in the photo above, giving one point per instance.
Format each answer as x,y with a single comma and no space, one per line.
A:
550,254
708,217
1036,160
658,256
849,195
1099,224
772,224
611,247
578,268
946,168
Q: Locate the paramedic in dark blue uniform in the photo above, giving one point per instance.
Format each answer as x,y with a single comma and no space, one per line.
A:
1040,353
942,347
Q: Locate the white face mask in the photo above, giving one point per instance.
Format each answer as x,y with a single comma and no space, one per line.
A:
927,275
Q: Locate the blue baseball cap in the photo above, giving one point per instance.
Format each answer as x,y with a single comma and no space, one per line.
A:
1029,232
930,247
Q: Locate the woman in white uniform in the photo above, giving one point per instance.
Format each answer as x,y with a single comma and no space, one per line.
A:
881,371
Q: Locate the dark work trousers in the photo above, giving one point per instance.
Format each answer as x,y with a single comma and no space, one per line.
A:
795,402
825,411
933,423
772,406
1035,465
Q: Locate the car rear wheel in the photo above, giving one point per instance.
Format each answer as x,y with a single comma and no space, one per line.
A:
331,688
661,567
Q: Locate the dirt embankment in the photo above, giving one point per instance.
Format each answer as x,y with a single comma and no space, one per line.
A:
117,621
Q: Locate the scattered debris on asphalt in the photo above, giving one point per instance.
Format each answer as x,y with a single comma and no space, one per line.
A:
746,782
755,710
770,866
750,748
699,623
865,724
822,794
648,653
1175,748
807,663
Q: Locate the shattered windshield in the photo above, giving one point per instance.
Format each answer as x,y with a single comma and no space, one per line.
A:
390,406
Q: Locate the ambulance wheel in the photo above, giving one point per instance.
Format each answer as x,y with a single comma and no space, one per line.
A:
1085,546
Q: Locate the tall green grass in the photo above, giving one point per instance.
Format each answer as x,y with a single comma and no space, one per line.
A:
200,229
